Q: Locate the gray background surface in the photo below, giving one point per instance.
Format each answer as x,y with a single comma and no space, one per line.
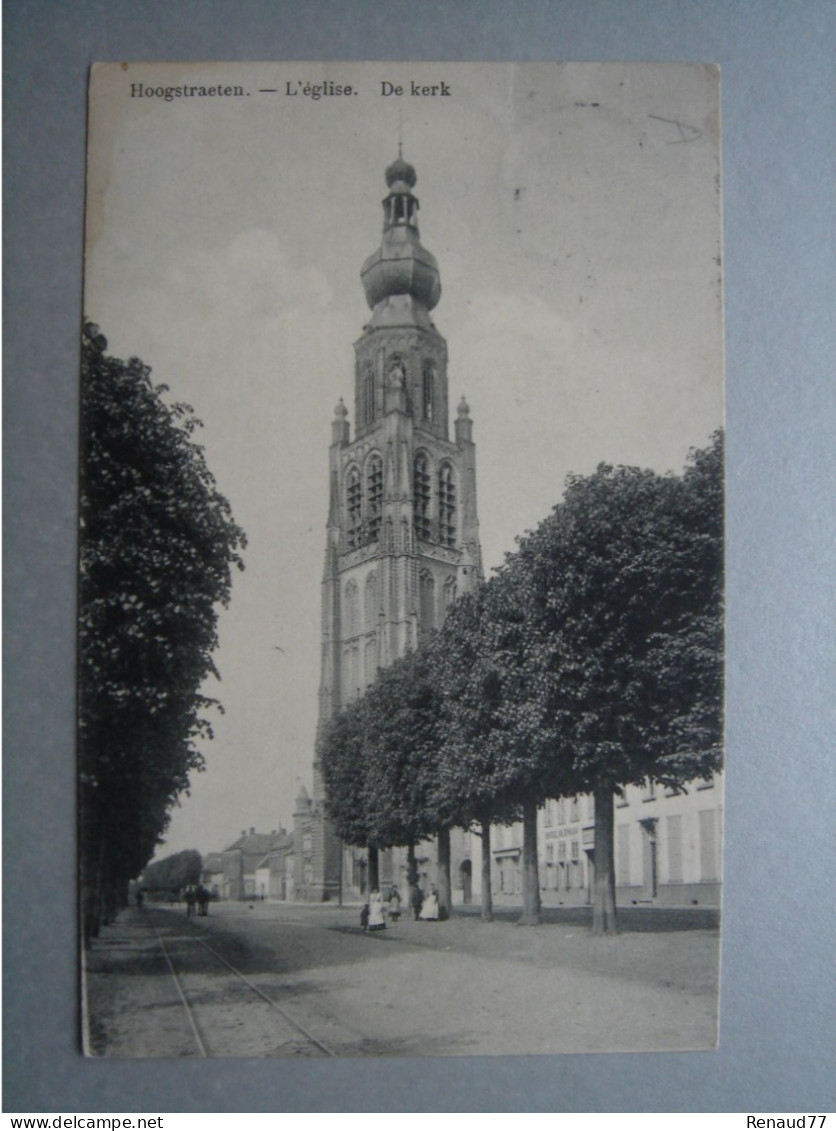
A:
778,116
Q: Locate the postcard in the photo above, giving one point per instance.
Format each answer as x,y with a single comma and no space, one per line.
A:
401,629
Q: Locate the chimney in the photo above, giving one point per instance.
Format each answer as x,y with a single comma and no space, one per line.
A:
252,832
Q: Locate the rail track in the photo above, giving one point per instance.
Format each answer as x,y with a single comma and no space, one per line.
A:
227,1013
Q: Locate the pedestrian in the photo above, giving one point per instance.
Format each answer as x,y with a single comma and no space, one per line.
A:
377,920
416,898
429,908
394,905
364,917
191,900
202,900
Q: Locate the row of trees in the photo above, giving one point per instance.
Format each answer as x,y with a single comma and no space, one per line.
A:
173,873
591,661
157,547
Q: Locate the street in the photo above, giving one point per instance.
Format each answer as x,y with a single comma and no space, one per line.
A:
162,984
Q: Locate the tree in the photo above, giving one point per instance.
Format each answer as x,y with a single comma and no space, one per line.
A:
157,547
402,742
497,756
623,590
173,873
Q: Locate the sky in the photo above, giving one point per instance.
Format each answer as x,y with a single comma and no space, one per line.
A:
574,211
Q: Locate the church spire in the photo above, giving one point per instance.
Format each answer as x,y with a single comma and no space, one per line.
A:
401,266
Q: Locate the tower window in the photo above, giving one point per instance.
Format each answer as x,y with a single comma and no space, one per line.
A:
428,388
352,597
446,506
370,603
449,592
421,500
354,506
426,595
374,496
368,395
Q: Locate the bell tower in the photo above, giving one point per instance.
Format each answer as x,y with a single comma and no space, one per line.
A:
402,533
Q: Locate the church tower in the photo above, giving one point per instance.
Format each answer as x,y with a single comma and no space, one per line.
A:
402,533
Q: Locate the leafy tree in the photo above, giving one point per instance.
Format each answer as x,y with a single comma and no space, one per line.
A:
623,590
157,546
173,873
342,754
401,748
497,755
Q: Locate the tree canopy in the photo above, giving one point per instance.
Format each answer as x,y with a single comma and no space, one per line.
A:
593,660
173,873
623,585
157,548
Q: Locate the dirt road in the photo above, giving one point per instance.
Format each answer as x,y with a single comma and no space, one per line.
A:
418,989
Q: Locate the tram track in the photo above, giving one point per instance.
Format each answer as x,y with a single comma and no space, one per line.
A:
214,1008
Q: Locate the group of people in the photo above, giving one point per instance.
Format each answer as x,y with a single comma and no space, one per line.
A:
197,899
377,911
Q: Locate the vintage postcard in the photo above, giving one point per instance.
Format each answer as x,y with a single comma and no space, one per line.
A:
401,594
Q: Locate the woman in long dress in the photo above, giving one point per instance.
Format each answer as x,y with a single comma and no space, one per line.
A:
429,910
376,920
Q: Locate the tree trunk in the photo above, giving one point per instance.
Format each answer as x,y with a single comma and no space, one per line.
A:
604,921
531,879
412,881
487,895
444,884
374,869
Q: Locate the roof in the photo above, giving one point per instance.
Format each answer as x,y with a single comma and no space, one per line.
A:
253,843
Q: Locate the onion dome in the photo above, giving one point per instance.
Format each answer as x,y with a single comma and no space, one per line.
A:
401,266
400,172
340,410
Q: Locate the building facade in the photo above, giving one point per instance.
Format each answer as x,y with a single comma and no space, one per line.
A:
668,848
402,533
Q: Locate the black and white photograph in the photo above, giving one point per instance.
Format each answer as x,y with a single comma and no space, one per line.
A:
401,545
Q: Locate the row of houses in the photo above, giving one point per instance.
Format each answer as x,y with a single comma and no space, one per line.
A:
252,867
668,851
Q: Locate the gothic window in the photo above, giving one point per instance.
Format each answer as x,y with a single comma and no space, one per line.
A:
428,388
449,592
421,501
354,506
374,496
368,394
369,661
446,506
426,596
370,602
351,600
